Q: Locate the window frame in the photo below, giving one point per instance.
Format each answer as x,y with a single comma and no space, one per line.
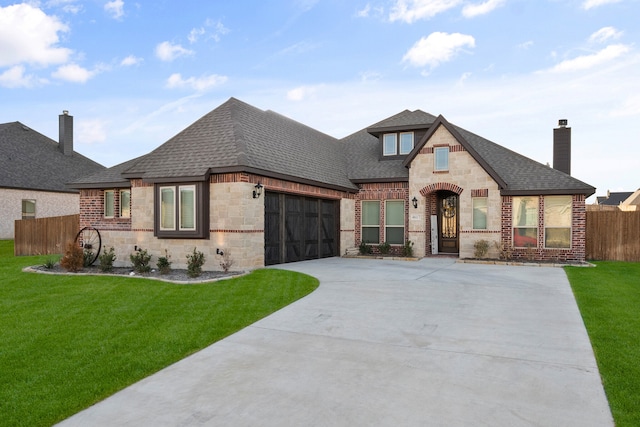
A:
385,153
400,150
200,211
25,214
394,226
548,216
485,212
120,211
369,226
109,206
436,166
526,226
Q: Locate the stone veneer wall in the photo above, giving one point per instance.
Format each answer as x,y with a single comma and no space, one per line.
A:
466,178
48,204
236,221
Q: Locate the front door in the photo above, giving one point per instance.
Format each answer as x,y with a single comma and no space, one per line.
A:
448,223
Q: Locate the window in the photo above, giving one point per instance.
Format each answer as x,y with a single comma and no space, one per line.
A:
182,210
125,203
28,209
525,222
370,219
479,213
406,142
441,158
390,144
109,201
557,222
394,222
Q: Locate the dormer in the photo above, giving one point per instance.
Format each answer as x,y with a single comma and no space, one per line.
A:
398,134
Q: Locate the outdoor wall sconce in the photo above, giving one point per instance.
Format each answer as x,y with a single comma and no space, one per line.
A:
219,252
415,202
258,191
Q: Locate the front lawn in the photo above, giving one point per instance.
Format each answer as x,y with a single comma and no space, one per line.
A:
68,342
609,300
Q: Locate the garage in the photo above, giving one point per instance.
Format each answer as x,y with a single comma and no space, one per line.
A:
298,228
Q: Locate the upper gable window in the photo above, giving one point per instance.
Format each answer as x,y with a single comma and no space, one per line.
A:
441,162
406,142
390,144
394,144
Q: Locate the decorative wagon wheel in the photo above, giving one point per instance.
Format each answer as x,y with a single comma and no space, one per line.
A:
89,240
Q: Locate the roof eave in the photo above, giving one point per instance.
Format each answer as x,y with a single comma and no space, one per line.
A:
549,192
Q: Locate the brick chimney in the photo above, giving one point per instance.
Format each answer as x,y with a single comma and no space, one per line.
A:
65,139
562,147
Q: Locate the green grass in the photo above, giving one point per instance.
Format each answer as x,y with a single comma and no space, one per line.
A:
609,300
68,342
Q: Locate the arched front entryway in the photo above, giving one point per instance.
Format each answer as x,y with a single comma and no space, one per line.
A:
442,218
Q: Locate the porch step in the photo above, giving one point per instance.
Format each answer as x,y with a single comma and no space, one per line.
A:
352,252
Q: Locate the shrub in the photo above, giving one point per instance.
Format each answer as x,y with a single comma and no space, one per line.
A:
407,249
164,265
481,247
140,261
504,251
384,248
195,261
106,260
364,248
50,263
226,262
73,258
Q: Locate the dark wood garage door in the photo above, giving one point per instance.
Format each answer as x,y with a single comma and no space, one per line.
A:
299,228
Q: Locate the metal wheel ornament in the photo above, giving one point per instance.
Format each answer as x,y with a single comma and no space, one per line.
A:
90,241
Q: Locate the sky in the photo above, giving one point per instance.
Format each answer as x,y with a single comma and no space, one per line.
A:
135,73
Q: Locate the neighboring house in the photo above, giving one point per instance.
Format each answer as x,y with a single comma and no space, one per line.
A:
625,201
267,190
34,171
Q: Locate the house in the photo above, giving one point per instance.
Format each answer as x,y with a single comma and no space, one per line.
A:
266,189
34,171
625,201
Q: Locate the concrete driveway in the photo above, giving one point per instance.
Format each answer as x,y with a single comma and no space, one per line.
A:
397,343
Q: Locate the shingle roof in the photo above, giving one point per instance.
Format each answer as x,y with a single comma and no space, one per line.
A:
615,198
33,161
107,178
239,137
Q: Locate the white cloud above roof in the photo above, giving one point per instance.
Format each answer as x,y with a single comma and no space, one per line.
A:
131,60
473,10
115,8
28,35
586,62
437,48
167,51
605,34
414,10
73,73
590,4
199,84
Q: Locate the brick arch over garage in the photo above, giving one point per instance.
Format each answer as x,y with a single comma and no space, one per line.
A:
439,186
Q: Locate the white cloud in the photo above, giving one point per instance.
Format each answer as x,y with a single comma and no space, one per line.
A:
73,73
195,34
115,8
413,10
131,60
586,62
301,93
526,45
14,77
364,13
91,131
200,84
473,10
589,4
27,34
166,51
211,30
605,34
437,48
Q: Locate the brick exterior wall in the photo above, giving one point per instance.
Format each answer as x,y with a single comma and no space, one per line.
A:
92,210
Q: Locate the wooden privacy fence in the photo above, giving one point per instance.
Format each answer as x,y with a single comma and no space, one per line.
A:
613,235
45,235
